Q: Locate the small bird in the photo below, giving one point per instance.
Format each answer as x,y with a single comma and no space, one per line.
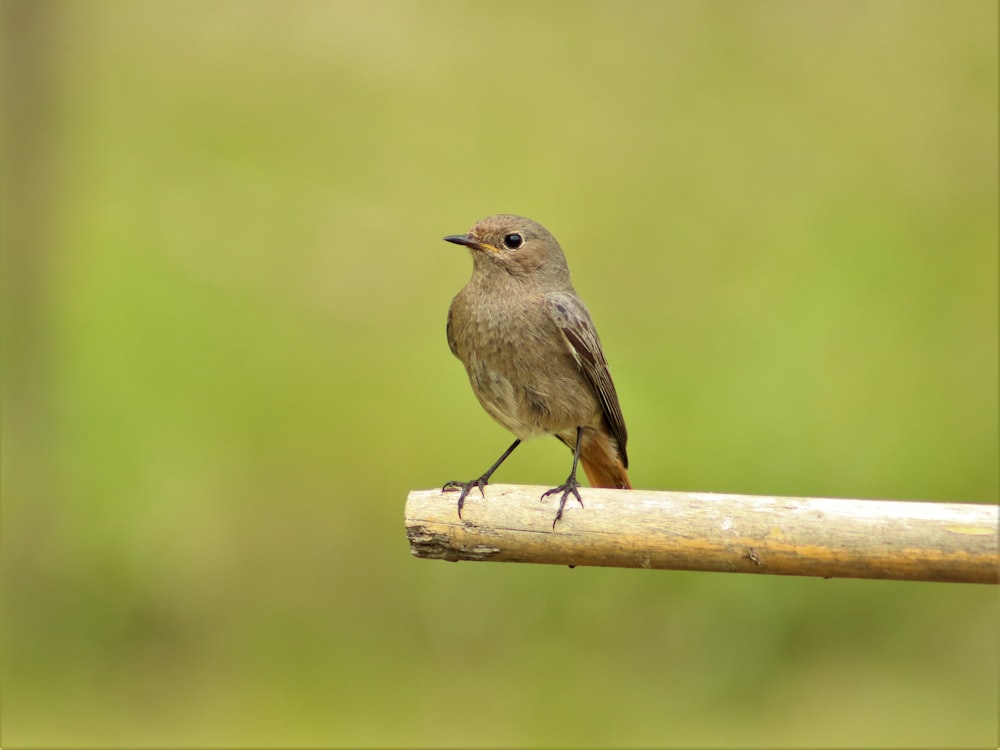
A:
532,354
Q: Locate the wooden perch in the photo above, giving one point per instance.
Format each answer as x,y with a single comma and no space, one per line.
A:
914,541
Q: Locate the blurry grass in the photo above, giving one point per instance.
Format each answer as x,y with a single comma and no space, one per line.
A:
784,219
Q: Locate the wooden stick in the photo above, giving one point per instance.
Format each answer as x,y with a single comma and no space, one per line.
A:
914,541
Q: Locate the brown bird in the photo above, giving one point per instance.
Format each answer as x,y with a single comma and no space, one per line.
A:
532,353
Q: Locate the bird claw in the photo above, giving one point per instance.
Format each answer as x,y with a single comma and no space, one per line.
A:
466,488
571,487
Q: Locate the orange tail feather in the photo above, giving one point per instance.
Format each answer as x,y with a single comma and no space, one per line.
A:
600,460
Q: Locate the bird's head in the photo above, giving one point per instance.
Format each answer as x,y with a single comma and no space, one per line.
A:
515,245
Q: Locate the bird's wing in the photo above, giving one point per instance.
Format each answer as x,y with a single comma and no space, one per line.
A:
571,317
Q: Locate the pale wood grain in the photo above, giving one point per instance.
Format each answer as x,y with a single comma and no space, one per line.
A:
831,538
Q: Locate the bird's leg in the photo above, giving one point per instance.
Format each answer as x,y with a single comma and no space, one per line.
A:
482,481
570,486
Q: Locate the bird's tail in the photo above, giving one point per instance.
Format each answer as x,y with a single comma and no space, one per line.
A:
603,462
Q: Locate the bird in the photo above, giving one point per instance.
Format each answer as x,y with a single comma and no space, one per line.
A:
533,356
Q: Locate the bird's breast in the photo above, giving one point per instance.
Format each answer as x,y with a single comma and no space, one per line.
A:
519,365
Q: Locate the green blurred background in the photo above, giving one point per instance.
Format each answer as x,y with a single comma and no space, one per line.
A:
224,362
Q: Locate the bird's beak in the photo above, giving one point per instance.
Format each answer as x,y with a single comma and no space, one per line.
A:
469,241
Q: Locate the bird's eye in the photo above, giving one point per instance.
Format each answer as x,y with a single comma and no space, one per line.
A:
513,241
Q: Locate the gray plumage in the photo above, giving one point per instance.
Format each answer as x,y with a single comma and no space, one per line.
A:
531,350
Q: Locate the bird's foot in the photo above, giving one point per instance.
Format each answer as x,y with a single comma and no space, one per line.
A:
571,487
465,488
